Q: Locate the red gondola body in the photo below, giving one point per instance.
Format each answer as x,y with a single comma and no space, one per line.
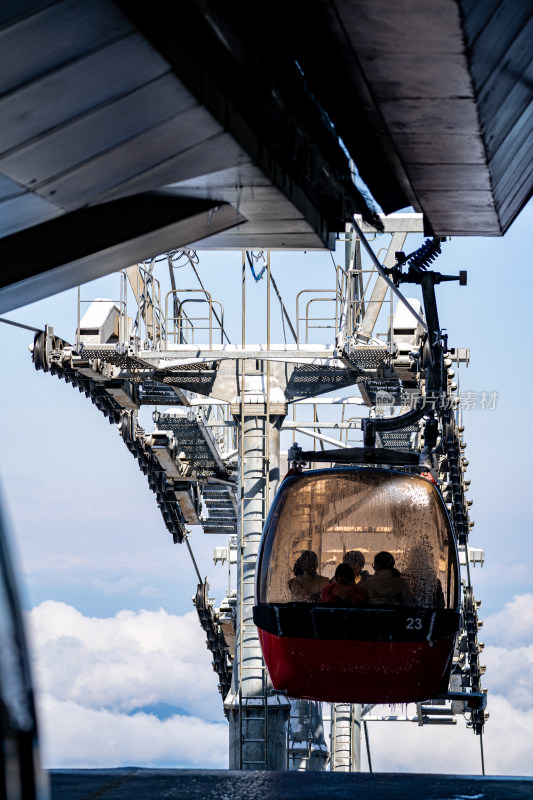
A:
372,654
357,672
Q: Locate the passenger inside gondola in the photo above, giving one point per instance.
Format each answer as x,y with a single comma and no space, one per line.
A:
347,517
421,569
438,595
342,590
386,587
306,584
356,560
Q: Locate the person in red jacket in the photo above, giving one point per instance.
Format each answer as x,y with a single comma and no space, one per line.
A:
342,589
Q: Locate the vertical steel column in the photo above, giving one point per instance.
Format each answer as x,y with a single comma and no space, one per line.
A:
346,738
308,751
257,717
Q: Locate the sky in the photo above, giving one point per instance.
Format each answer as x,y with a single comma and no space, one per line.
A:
122,673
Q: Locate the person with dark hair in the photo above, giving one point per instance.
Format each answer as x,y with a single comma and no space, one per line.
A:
342,589
386,587
307,583
356,560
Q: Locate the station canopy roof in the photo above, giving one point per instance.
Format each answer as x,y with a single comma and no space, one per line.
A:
133,128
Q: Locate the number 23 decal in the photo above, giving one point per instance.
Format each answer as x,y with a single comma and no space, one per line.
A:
414,624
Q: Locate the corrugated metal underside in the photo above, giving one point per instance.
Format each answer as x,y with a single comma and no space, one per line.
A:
95,115
237,109
92,112
499,39
448,88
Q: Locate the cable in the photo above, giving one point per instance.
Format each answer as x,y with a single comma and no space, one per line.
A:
250,255
283,326
482,752
193,559
193,259
191,256
20,325
367,741
283,311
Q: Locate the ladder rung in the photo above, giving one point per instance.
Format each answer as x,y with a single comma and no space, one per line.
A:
255,719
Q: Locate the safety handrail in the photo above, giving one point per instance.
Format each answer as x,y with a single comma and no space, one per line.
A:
299,319
178,315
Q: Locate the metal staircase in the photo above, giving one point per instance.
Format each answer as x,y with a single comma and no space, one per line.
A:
220,503
197,446
402,440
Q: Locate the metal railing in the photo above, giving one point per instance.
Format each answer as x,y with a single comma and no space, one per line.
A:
352,302
355,308
181,328
123,332
218,418
332,321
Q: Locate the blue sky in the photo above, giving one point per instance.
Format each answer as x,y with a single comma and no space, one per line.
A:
97,566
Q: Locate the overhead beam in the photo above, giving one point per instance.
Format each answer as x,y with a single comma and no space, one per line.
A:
86,244
407,222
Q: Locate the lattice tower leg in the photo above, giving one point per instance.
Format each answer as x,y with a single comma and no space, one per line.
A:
257,718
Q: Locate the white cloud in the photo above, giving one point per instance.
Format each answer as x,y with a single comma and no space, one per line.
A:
513,625
123,662
509,654
404,747
127,584
508,733
92,671
76,736
116,570
510,674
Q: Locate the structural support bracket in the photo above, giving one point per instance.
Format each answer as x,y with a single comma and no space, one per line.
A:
95,241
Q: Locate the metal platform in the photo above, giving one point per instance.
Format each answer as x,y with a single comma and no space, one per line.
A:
138,784
398,440
195,441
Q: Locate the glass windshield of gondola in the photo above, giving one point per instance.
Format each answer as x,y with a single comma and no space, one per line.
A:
323,518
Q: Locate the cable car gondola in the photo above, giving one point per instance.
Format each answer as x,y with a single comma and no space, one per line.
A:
394,642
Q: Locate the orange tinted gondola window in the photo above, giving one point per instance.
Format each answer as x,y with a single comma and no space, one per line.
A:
332,512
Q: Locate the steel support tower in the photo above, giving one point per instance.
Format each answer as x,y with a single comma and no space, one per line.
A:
214,458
